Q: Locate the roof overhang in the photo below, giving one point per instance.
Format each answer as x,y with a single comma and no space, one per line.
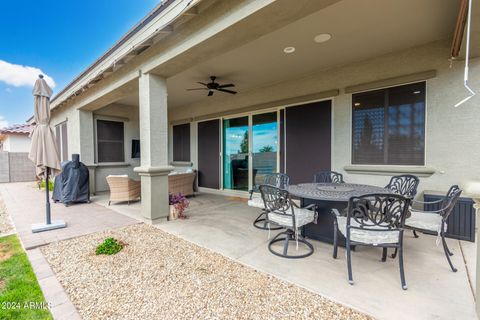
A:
156,25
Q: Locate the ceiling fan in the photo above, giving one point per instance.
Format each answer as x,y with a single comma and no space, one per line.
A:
214,86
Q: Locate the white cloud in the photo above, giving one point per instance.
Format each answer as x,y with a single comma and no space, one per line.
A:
3,122
17,75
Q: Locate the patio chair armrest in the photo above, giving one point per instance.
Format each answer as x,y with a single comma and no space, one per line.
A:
336,212
429,211
418,201
312,206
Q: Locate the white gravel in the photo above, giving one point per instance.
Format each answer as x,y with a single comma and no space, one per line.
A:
6,225
160,276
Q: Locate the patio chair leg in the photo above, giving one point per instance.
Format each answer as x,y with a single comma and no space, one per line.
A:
335,239
447,253
262,223
400,262
285,245
384,254
415,234
109,202
394,254
349,263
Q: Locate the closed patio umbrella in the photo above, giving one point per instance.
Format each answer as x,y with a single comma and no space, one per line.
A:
43,151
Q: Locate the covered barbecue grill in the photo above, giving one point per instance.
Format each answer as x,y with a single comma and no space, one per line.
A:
72,185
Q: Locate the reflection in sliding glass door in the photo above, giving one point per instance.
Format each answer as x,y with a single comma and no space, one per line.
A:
235,154
264,145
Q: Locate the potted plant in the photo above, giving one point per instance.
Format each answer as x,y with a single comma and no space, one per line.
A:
178,204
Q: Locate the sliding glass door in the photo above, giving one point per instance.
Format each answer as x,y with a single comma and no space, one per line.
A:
236,153
250,150
264,145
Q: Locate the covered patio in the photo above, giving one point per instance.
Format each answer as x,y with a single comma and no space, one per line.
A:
297,76
224,225
333,85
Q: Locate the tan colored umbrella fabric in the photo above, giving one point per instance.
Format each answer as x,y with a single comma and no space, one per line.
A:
43,151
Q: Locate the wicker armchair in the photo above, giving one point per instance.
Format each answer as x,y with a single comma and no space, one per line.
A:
122,188
181,183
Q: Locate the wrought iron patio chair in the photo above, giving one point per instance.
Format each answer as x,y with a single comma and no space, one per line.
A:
373,220
282,211
435,220
279,180
328,177
405,185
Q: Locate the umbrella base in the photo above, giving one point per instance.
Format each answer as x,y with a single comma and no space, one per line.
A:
56,224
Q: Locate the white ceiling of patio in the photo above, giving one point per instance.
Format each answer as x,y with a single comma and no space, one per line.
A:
358,33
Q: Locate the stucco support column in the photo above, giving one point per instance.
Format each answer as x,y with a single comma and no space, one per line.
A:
154,166
87,140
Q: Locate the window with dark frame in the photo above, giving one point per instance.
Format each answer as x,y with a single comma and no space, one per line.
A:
110,141
389,126
61,138
181,142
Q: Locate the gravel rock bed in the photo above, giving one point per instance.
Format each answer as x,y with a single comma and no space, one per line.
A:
6,225
160,276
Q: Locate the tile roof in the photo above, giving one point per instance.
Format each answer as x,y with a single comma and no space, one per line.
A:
24,128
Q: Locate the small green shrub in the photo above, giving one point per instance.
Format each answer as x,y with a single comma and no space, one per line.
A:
50,185
109,246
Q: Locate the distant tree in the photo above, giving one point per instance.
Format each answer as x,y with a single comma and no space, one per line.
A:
244,143
266,149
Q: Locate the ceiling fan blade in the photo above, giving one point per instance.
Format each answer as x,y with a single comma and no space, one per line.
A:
210,93
228,91
203,83
226,85
197,89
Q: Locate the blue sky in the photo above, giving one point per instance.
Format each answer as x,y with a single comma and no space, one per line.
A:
61,38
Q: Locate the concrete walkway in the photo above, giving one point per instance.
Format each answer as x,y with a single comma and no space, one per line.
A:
26,205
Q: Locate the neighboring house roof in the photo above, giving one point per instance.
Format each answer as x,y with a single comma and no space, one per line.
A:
24,128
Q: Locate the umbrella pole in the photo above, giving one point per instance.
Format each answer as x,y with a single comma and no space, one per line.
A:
47,189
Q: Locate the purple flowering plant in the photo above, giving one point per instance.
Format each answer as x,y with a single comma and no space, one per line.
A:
180,202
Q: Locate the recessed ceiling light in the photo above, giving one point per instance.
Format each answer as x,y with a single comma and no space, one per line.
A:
356,104
416,92
322,37
289,50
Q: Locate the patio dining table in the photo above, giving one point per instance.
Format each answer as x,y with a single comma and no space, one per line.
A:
328,196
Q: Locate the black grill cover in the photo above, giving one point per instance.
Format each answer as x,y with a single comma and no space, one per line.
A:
72,184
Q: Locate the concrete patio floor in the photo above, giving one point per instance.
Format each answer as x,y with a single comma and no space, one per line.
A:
224,225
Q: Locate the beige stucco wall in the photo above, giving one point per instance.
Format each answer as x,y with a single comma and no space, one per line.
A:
71,115
452,134
129,115
81,138
17,143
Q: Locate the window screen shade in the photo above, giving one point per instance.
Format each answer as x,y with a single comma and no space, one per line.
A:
181,142
64,142
208,154
389,126
110,141
61,139
58,139
308,140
